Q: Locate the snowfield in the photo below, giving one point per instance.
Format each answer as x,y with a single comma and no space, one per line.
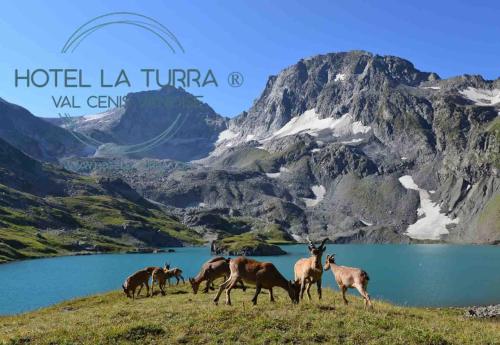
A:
353,141
95,116
277,174
319,193
433,223
340,77
226,135
482,96
310,122
297,238
365,222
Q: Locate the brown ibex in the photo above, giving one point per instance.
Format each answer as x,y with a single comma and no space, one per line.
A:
309,270
263,274
349,277
211,270
138,279
174,273
159,275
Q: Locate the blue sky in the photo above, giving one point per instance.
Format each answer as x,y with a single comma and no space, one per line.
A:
255,38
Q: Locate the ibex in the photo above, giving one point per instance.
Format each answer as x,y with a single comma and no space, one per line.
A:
309,270
263,274
211,270
175,273
138,279
159,275
349,277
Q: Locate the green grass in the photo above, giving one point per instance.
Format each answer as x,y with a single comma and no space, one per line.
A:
275,234
489,220
32,226
183,318
238,243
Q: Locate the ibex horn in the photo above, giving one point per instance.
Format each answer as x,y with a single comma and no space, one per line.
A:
311,245
322,245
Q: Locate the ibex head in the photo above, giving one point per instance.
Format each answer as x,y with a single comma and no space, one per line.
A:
194,285
330,259
294,291
317,251
125,290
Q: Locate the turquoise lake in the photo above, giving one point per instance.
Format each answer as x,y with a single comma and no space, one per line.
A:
416,275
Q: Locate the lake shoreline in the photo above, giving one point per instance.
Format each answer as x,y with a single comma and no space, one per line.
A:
207,245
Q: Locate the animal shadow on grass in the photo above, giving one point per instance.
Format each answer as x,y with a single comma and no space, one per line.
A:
156,293
179,292
326,308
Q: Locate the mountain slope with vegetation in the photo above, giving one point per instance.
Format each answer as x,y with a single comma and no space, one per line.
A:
183,318
47,211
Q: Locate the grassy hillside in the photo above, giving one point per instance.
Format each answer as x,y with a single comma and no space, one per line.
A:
47,211
184,318
32,226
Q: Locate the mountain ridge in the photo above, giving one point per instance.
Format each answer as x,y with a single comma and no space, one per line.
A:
325,150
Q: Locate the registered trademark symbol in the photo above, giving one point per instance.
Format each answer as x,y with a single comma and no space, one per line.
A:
235,79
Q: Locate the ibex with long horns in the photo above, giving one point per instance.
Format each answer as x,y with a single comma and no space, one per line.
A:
309,270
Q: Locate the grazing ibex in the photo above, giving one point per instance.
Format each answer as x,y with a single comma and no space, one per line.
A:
211,270
349,277
309,270
263,274
138,279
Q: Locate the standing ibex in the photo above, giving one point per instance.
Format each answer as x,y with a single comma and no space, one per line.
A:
175,273
136,280
263,274
212,269
159,275
309,270
349,277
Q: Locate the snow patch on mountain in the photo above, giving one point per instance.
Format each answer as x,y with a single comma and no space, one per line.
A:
353,141
482,96
226,135
297,238
357,127
309,122
433,223
94,117
319,194
277,174
340,77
